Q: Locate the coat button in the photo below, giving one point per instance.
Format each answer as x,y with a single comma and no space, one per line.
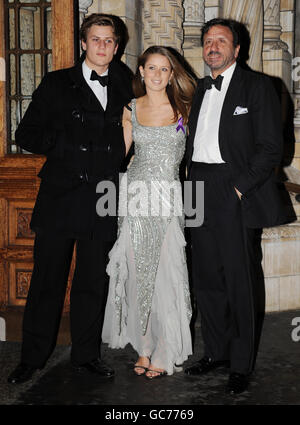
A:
83,148
49,141
76,114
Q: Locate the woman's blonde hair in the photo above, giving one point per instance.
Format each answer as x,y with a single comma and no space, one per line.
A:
182,85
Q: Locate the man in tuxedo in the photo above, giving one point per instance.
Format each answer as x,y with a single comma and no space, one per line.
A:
235,142
75,119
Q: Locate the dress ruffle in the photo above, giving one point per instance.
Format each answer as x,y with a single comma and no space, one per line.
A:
167,340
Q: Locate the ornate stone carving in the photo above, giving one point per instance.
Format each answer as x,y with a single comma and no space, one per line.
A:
272,12
250,13
163,23
22,283
291,232
194,20
84,5
23,224
194,12
276,57
272,26
83,9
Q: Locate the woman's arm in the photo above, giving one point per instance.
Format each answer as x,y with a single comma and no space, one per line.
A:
127,128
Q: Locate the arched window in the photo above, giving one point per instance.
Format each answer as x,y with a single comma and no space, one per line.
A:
28,56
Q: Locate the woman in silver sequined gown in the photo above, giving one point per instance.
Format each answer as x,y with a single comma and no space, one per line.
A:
149,302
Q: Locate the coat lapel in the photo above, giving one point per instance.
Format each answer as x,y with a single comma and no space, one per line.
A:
112,94
117,94
195,110
87,98
193,119
230,102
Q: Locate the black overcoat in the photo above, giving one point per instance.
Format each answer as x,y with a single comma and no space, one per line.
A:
83,144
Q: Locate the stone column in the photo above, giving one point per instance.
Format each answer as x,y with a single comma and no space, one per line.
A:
277,62
276,58
250,13
194,19
287,22
213,9
163,21
296,73
83,9
296,81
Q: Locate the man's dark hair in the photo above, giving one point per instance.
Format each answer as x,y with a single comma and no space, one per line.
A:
229,23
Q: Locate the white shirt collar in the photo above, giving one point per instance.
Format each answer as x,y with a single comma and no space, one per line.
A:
86,70
227,74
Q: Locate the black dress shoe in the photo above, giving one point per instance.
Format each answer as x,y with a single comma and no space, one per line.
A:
204,365
96,366
22,373
237,383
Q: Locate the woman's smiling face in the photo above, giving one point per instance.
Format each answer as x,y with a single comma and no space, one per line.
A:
156,72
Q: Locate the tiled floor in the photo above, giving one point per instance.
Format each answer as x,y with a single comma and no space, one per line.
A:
276,380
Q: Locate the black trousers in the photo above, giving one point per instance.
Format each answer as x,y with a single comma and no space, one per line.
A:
52,260
226,271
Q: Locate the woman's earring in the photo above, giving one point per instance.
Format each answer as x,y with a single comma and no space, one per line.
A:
169,82
142,78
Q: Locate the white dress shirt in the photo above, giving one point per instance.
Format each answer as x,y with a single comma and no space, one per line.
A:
206,142
100,91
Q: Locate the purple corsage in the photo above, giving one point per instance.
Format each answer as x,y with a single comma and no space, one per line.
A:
180,125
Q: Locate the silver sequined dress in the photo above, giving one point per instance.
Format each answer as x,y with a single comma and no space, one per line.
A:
149,302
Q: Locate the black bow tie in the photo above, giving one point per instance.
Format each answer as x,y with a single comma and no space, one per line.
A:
209,82
102,80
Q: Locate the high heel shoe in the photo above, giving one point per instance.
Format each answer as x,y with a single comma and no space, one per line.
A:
158,373
144,369
178,368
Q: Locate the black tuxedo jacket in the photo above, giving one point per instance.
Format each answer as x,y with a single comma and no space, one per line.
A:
251,143
83,144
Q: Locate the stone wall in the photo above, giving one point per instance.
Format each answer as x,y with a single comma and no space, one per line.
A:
281,265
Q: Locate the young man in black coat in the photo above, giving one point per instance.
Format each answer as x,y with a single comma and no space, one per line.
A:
75,119
235,142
